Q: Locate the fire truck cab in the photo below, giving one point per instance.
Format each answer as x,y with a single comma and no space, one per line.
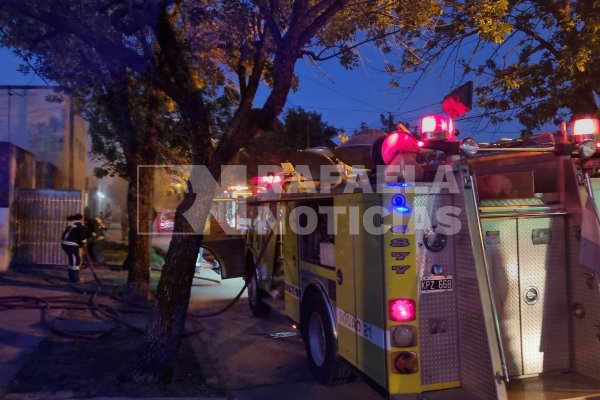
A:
435,267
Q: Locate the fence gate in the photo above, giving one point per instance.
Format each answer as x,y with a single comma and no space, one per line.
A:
39,220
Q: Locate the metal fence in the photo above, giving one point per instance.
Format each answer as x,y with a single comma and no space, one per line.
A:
39,220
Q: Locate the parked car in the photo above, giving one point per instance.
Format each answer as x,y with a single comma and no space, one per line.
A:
165,221
207,260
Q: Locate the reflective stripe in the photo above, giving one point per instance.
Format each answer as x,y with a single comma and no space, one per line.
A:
68,243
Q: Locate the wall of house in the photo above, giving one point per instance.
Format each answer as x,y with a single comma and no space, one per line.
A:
46,123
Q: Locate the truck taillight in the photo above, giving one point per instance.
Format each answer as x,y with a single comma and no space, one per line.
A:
403,336
405,362
437,127
402,310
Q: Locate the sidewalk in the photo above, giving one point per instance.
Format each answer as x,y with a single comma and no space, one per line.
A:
37,364
20,331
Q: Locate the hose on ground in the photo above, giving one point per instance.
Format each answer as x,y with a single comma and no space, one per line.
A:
69,302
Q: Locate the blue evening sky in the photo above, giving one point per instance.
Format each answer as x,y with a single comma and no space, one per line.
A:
347,98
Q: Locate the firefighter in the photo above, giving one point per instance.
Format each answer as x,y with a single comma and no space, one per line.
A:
73,239
94,230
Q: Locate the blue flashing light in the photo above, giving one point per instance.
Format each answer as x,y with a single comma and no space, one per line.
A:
399,184
399,204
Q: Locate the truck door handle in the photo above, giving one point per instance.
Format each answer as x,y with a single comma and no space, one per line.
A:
339,277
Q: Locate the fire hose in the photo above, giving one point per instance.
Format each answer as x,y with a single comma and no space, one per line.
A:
79,303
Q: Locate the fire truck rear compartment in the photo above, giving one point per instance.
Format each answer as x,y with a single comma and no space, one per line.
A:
546,304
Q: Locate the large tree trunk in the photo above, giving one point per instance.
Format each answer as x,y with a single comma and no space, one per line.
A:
138,280
167,322
138,257
140,146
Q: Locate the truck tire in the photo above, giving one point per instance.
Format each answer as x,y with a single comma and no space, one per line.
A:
255,298
321,345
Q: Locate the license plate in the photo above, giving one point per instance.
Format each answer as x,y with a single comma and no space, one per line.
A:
441,284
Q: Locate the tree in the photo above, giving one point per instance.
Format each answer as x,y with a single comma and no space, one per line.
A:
387,123
125,123
540,59
303,129
299,130
192,52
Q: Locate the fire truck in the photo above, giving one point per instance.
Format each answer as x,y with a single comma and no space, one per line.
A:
437,267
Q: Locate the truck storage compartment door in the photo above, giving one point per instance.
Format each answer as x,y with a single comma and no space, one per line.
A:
527,260
543,295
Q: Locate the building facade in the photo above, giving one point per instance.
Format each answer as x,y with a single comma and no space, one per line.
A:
45,122
43,145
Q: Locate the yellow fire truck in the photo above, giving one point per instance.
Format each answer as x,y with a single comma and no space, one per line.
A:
436,267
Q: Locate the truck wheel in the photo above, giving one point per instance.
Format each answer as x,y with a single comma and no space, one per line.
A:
321,345
255,295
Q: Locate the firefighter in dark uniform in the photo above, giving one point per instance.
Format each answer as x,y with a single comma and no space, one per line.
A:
73,240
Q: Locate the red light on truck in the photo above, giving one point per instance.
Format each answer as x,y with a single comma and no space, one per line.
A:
402,310
586,126
437,127
396,143
266,180
429,124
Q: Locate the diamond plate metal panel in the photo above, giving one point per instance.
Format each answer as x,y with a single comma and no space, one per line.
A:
583,290
512,202
544,315
477,373
438,315
500,238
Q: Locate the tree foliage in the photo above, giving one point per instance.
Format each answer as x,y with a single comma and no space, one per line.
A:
107,139
299,130
537,61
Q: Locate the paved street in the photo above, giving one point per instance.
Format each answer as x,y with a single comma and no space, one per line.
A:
253,365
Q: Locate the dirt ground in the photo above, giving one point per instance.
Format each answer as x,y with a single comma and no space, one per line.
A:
67,367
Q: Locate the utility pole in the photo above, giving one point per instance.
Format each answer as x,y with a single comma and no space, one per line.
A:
8,115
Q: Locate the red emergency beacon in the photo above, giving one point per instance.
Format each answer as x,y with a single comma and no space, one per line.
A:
437,127
586,134
398,142
586,128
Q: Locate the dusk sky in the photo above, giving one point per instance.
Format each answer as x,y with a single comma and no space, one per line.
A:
347,98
